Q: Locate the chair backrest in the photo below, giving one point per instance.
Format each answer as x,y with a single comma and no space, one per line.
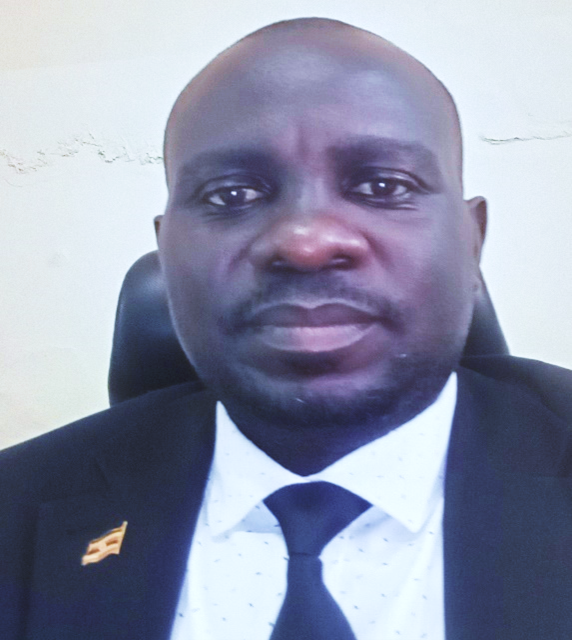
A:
146,354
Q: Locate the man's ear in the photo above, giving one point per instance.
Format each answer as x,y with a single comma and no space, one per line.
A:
157,224
477,210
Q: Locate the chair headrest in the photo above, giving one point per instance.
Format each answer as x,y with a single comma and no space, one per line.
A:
146,354
485,336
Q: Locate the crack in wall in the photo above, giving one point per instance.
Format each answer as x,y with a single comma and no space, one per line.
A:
555,136
108,151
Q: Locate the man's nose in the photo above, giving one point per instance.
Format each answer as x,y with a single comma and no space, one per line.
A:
310,243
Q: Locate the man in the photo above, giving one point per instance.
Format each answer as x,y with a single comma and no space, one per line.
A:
322,266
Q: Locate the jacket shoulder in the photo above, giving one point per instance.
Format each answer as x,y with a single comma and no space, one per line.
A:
549,384
41,467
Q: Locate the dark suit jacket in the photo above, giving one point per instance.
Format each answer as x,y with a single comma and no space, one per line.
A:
507,523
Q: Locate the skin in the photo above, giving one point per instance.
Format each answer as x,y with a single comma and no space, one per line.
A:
320,259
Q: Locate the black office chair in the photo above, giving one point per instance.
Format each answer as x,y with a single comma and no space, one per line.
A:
146,354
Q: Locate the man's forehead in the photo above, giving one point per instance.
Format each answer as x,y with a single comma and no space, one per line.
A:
296,68
288,60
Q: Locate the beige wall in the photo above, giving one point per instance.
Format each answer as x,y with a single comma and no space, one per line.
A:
86,89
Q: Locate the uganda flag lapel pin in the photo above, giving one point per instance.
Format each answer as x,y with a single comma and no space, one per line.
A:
106,545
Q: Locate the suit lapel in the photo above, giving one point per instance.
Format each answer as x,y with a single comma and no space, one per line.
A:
154,479
508,522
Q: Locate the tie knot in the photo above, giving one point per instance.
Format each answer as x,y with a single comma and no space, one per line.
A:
311,514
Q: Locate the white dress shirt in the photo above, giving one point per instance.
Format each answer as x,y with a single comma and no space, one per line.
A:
385,569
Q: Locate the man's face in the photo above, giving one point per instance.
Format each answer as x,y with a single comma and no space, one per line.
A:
320,259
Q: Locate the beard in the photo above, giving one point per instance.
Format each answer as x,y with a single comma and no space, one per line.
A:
413,383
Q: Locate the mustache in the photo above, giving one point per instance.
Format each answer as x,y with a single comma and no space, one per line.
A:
320,288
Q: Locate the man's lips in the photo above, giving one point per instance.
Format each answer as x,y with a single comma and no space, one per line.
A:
306,315
316,328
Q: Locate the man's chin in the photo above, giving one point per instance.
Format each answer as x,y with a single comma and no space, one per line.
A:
308,410
390,399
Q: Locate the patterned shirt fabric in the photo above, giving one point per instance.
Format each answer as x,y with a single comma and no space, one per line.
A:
385,569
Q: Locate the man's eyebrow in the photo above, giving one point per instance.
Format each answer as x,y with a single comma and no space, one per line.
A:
205,163
411,156
346,155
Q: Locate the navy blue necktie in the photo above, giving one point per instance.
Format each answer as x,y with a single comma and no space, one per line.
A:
310,515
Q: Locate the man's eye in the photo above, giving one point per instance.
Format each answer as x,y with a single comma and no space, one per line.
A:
382,188
233,196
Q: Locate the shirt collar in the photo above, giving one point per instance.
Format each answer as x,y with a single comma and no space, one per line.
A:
400,473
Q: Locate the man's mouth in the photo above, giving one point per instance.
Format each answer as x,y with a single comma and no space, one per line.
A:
312,328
